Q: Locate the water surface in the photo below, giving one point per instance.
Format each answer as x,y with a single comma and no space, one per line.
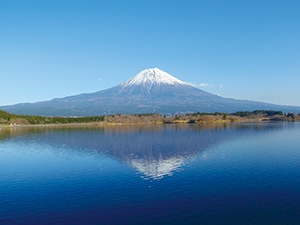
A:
151,174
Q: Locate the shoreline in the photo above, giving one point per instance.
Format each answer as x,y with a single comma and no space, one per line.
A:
11,120
143,123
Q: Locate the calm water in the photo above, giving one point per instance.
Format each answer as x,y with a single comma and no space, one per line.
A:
154,174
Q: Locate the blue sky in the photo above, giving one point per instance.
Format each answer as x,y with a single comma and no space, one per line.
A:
238,49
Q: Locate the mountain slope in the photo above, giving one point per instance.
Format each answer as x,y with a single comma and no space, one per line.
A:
150,91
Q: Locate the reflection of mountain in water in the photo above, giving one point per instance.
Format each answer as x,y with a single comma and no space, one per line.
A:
157,168
154,150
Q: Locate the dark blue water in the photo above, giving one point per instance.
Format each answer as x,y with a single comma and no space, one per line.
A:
151,174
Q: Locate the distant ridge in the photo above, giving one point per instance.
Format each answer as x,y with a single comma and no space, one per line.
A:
150,91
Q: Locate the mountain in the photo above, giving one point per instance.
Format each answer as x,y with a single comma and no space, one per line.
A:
150,91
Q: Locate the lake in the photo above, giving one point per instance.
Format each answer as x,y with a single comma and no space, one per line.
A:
151,174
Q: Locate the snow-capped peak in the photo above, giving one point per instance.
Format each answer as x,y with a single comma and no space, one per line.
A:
153,76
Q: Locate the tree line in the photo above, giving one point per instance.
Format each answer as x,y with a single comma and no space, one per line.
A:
6,118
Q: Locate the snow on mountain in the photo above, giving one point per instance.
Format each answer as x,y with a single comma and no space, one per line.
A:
153,83
153,76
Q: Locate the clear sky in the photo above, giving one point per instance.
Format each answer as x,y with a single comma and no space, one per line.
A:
243,49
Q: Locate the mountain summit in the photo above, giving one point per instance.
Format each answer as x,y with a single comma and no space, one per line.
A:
153,76
153,83
150,91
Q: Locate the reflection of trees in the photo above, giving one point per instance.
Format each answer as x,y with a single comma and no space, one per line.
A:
154,150
4,134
